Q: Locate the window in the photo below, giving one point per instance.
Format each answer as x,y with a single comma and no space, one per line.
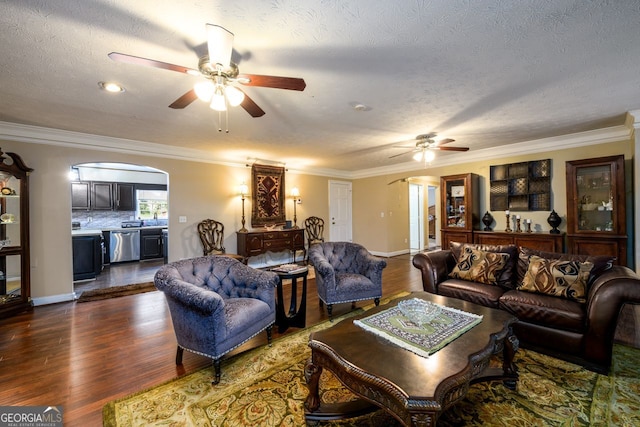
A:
152,204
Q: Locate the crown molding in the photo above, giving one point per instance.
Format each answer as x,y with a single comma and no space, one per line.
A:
555,143
65,138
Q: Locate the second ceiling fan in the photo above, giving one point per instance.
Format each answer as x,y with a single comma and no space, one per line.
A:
221,74
424,144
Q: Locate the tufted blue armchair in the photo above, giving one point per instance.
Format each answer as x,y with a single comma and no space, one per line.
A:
346,272
217,304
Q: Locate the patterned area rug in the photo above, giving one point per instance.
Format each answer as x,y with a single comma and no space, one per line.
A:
116,291
266,387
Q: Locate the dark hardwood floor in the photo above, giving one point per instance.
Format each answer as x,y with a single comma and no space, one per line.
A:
83,355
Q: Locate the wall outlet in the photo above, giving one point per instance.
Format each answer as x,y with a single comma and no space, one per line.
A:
182,219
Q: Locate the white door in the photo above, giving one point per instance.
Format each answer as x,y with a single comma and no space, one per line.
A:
416,217
340,211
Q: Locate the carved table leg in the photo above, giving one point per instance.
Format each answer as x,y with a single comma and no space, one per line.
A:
511,345
312,376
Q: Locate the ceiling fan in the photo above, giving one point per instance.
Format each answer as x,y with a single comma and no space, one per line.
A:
221,74
424,146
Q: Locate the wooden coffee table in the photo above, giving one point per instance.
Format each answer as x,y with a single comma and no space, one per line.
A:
412,388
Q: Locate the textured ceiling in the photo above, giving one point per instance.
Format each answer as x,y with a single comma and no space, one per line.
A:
485,73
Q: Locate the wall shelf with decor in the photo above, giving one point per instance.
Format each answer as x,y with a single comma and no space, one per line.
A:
524,186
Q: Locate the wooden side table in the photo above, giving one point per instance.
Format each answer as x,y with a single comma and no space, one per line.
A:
297,316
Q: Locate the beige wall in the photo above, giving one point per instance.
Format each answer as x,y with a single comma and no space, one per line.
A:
196,191
201,190
382,241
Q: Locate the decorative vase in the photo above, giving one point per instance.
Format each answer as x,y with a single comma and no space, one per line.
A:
554,221
487,220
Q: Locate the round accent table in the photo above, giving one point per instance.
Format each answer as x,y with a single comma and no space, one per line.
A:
297,316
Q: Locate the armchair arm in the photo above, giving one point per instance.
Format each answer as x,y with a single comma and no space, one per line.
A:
373,268
435,267
608,293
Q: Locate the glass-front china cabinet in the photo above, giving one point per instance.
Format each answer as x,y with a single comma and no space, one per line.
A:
459,208
596,220
15,293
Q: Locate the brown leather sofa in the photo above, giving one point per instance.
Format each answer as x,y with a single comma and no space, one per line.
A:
576,331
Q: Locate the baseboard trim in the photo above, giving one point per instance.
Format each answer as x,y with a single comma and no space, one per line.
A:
54,299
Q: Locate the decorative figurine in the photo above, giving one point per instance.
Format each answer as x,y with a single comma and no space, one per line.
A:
487,220
554,221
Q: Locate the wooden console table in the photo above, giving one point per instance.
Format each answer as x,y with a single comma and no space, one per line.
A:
538,241
258,242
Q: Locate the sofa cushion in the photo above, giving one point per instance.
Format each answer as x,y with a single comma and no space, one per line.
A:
549,311
506,278
479,266
567,279
601,263
477,293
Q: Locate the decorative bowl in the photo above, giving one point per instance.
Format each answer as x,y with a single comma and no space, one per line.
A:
4,243
419,311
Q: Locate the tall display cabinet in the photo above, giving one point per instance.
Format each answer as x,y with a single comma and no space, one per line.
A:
596,208
15,279
459,208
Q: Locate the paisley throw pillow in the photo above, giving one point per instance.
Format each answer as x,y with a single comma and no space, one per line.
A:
566,279
479,266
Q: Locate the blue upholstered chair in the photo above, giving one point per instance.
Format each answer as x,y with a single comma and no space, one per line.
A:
217,304
346,272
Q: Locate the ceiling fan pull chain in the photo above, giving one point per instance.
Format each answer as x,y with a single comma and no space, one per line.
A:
219,121
226,119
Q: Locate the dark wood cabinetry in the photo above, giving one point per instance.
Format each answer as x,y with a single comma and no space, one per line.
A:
15,266
88,252
596,208
538,241
80,195
101,196
258,242
151,243
459,208
124,196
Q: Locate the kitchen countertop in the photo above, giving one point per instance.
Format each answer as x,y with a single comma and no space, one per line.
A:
94,231
86,232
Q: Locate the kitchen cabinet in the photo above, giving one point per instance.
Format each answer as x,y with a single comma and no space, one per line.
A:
596,207
101,196
124,196
80,195
459,208
15,267
88,253
151,243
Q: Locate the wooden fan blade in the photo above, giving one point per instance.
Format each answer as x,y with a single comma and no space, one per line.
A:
451,148
290,83
130,59
251,107
184,100
444,141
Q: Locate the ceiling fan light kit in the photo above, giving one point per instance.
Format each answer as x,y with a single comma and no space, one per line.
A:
425,145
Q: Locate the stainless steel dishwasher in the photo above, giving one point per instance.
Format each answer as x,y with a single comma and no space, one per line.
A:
124,245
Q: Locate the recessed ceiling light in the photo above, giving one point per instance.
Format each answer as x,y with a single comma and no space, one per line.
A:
110,87
357,106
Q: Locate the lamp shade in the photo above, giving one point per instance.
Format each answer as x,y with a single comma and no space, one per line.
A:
295,192
243,189
234,95
218,101
204,90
